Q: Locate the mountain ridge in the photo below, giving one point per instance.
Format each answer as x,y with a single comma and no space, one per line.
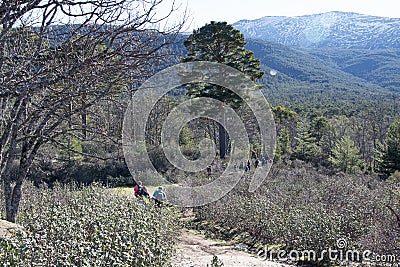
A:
302,76
333,29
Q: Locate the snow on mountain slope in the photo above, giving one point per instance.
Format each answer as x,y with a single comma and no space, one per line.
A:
333,29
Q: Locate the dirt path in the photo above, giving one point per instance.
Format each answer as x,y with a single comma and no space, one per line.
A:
196,251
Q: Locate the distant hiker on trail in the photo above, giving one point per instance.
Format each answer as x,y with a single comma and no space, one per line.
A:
256,163
141,191
143,197
248,166
136,188
241,166
209,170
159,196
263,160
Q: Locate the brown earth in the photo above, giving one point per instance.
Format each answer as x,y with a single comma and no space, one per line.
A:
197,251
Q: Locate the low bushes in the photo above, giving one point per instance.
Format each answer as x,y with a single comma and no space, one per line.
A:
90,226
301,208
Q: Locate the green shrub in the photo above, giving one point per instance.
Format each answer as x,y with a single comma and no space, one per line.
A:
302,208
89,226
216,262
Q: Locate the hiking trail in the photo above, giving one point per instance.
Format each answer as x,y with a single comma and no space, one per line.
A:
193,250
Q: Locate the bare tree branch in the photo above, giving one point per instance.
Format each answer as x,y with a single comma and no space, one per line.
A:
58,59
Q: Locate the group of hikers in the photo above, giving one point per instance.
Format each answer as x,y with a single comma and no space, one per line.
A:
144,198
159,196
246,166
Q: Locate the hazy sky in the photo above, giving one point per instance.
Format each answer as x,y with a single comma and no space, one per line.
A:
203,11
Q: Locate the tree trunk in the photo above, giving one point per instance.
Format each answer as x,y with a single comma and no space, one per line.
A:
222,142
13,198
10,215
84,117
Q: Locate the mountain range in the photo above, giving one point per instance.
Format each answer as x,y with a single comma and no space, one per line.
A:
323,77
326,30
329,58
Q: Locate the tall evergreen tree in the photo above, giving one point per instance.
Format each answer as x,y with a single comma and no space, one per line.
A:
345,156
307,148
186,137
319,126
283,144
222,43
389,153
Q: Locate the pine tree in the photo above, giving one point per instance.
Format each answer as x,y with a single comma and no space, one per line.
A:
186,137
389,152
345,156
283,144
319,126
222,43
307,148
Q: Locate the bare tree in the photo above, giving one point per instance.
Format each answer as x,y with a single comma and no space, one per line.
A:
57,59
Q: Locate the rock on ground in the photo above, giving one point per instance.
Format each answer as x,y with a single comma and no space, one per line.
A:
9,229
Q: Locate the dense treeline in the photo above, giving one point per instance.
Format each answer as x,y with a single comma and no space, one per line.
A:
304,135
310,124
322,140
312,132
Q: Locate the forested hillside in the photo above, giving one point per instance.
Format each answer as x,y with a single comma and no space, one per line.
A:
379,67
327,77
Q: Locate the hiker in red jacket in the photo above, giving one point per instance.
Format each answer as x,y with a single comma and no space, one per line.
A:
140,190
